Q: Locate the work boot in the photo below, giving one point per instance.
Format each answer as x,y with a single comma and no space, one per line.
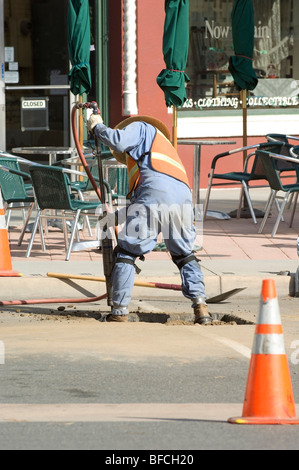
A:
202,315
117,318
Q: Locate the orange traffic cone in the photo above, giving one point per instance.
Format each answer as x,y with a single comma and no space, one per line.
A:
269,394
5,258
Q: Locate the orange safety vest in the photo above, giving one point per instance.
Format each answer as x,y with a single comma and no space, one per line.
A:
164,159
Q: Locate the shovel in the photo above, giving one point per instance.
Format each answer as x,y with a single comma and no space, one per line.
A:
153,285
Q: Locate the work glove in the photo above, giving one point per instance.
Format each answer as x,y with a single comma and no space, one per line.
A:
93,121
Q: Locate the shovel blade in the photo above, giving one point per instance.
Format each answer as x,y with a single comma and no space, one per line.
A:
224,296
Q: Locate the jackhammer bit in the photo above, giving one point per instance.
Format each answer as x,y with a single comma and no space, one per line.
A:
108,260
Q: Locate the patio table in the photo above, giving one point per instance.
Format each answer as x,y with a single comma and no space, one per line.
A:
51,151
197,143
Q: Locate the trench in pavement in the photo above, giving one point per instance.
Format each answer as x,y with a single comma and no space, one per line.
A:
68,313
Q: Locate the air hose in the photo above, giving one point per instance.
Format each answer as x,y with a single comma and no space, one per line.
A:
98,192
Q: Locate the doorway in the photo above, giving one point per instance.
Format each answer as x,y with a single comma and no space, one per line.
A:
36,71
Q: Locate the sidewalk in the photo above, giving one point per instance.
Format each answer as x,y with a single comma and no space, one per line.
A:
233,255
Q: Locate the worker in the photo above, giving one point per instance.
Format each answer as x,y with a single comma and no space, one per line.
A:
160,202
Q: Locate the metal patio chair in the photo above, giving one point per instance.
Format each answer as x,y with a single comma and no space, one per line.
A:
244,177
84,187
281,137
121,186
52,191
16,194
288,139
271,163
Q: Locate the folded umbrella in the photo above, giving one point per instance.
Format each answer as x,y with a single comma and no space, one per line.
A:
241,65
173,78
78,34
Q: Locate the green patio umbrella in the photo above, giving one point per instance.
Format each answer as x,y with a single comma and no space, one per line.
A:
240,65
172,79
78,34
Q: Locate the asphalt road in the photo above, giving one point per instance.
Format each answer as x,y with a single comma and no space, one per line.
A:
86,384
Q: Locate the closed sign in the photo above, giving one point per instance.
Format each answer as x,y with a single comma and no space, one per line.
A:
34,104
35,113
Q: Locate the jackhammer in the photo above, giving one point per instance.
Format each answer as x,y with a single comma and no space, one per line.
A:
106,232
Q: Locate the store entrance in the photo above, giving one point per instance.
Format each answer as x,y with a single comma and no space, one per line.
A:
36,61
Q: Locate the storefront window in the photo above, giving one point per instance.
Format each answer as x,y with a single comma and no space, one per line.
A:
212,86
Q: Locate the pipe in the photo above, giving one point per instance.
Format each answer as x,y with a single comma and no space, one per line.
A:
8,303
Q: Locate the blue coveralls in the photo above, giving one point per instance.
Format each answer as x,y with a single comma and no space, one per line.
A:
159,204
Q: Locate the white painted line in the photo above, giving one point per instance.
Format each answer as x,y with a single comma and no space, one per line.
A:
243,350
236,346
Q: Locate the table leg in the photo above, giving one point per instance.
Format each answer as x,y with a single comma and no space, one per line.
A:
198,211
52,158
196,181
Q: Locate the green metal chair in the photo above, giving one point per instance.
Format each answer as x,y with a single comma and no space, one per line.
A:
117,184
244,177
53,192
287,139
281,137
15,192
84,186
272,163
121,186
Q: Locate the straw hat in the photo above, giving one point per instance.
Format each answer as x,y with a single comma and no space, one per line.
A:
121,157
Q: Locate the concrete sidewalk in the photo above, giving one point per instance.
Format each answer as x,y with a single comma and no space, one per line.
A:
233,255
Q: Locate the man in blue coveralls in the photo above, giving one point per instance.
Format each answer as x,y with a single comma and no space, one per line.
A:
160,202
